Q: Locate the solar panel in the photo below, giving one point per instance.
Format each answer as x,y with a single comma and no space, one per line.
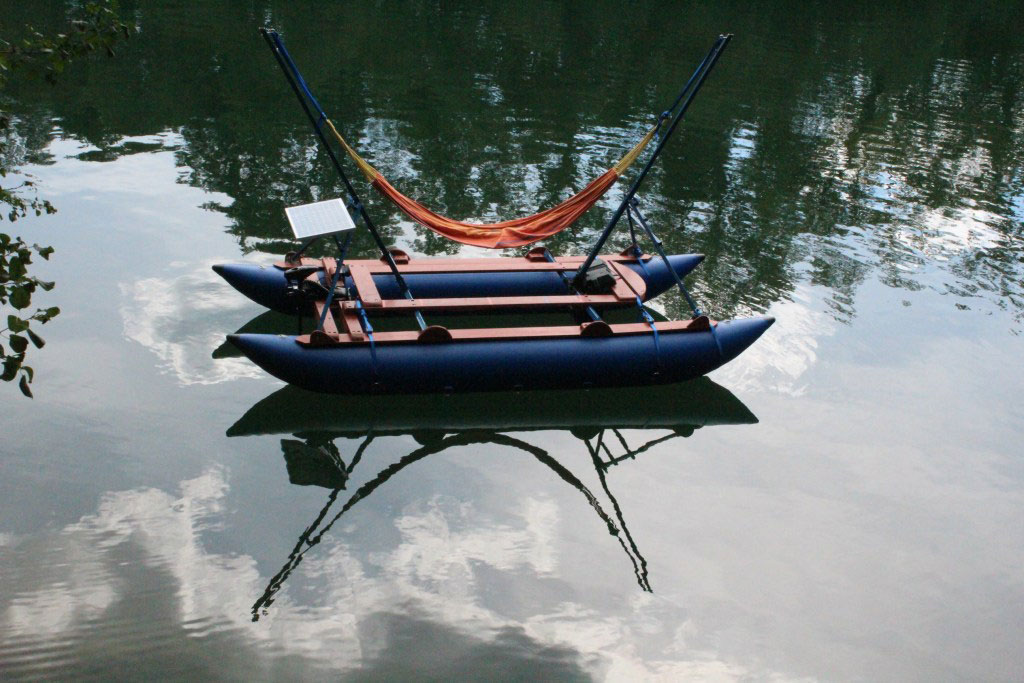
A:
319,218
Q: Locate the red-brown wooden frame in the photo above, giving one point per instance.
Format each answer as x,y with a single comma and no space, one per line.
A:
628,287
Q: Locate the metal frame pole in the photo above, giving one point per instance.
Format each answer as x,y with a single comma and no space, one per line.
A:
703,70
288,67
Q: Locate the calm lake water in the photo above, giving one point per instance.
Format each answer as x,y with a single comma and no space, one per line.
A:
844,501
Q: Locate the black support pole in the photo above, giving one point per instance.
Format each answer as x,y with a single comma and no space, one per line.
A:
272,40
707,64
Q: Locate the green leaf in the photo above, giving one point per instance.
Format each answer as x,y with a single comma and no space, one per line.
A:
44,251
11,365
16,324
20,297
23,385
47,315
36,339
18,343
16,267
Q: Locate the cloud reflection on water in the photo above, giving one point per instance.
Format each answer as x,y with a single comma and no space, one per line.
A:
349,617
781,358
181,320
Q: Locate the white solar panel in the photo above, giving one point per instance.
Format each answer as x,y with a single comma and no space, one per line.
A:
319,218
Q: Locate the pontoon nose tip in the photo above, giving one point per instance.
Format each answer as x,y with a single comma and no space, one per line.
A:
760,325
266,286
734,336
246,343
241,276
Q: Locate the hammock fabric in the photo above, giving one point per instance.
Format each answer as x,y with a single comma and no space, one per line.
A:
514,233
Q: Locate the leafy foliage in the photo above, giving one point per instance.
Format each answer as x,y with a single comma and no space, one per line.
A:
37,55
98,28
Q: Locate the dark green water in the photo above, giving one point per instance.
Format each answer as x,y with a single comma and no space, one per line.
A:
844,501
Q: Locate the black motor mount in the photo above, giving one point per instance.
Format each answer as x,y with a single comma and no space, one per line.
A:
598,279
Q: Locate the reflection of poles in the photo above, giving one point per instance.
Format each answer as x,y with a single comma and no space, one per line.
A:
629,453
639,563
308,540
295,556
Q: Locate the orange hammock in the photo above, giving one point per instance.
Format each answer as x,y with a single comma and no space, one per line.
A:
514,233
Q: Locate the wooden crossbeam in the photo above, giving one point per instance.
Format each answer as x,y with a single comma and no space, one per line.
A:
509,333
635,283
330,327
493,303
471,265
363,281
350,321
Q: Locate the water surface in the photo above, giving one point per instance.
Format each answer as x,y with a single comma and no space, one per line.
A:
844,501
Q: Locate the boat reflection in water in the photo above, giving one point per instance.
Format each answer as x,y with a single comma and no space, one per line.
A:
597,418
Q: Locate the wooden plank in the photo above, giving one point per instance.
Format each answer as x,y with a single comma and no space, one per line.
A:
483,265
471,264
330,327
498,302
477,266
622,291
368,293
634,282
350,321
511,333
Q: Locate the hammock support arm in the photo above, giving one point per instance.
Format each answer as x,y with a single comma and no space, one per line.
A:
298,85
696,81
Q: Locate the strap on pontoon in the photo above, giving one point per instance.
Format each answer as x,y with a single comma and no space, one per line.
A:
646,317
634,210
368,329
